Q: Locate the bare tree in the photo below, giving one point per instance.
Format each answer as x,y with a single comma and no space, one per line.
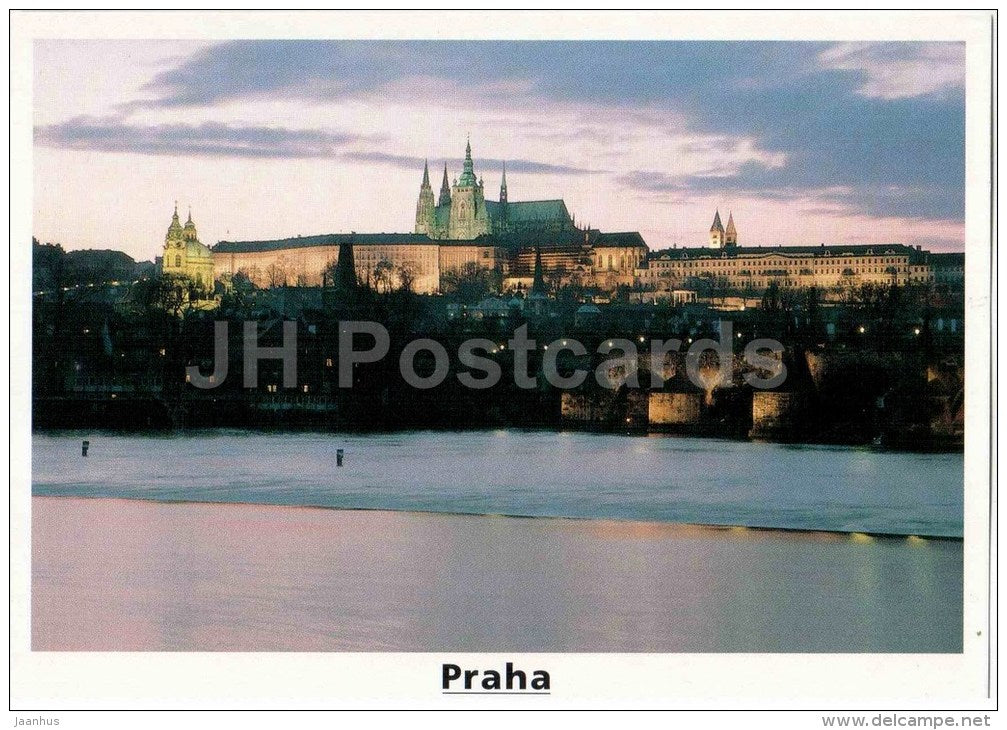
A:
276,274
383,275
407,276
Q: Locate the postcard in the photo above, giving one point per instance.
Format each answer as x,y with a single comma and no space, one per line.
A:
502,360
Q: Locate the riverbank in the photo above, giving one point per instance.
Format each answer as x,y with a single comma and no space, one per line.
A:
136,575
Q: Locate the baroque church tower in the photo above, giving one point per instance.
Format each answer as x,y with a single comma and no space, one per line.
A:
184,254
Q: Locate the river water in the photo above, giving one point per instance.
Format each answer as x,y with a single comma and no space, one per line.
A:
521,473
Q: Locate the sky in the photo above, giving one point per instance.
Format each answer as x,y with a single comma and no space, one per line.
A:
806,143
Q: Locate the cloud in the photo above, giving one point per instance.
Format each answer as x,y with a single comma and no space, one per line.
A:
518,165
213,139
919,202
900,70
209,139
782,120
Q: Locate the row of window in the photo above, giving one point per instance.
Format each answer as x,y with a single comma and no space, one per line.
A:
782,260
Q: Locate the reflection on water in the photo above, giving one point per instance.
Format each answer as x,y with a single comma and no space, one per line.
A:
121,575
706,481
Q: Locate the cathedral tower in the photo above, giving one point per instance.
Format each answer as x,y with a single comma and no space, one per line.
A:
469,217
425,205
445,197
503,199
717,232
731,235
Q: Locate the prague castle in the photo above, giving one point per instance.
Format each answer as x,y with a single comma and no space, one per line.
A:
460,230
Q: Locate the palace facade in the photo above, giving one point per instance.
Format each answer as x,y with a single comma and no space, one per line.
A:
382,260
724,265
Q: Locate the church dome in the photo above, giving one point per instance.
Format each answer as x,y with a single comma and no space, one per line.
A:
196,250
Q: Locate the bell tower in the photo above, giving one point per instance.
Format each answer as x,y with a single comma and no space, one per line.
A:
717,232
173,259
731,234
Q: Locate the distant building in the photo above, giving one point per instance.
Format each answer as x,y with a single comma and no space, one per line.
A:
587,258
948,269
755,268
184,255
458,230
381,260
462,211
724,265
721,237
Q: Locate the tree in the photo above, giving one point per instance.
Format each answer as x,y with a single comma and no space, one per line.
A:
469,283
720,287
383,275
407,276
276,274
237,295
771,298
329,274
168,293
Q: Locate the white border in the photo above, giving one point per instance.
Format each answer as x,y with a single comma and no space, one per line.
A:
179,680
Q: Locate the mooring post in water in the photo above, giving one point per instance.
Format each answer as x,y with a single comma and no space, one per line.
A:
83,447
339,457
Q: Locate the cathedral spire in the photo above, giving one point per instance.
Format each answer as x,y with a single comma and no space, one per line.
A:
717,232
425,216
717,225
731,235
445,197
468,176
503,184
